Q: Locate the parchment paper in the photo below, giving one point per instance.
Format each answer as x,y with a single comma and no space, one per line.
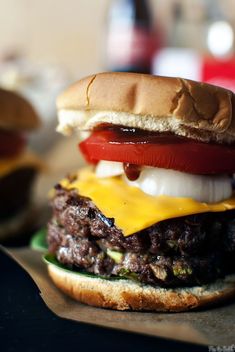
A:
214,326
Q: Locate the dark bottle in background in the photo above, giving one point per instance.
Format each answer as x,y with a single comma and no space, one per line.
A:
130,41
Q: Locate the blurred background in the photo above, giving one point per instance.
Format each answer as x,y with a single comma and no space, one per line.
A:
45,45
74,33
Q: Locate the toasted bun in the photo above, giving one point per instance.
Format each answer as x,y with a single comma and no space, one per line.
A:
184,107
16,113
128,295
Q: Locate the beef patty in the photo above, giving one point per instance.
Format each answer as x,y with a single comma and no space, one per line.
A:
189,250
15,190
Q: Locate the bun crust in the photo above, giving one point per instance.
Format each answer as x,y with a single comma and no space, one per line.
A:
16,113
196,110
128,295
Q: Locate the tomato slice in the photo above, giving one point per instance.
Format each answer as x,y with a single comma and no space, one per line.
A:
11,143
159,150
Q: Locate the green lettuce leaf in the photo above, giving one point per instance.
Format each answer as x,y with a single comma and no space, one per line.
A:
38,241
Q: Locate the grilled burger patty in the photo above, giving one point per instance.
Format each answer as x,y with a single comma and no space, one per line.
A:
189,250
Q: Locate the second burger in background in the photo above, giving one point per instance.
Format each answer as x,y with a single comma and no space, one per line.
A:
152,225
18,165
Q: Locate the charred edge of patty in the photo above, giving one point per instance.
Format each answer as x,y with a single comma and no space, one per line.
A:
186,235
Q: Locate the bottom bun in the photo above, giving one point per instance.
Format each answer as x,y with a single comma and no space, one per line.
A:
128,295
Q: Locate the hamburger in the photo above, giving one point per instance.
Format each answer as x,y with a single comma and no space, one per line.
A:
18,166
150,224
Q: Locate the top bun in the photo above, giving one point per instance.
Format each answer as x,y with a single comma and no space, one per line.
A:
184,107
16,113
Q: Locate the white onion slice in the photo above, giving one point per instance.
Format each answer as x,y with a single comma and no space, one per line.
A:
156,181
109,169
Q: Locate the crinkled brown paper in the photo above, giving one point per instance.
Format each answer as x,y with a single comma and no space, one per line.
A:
215,326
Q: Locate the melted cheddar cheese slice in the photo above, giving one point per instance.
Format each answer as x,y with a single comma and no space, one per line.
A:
26,159
132,209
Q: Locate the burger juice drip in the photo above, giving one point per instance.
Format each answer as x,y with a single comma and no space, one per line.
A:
132,171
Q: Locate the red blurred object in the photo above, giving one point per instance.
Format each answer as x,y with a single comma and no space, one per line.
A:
220,72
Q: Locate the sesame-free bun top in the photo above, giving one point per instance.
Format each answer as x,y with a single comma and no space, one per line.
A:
184,107
16,113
